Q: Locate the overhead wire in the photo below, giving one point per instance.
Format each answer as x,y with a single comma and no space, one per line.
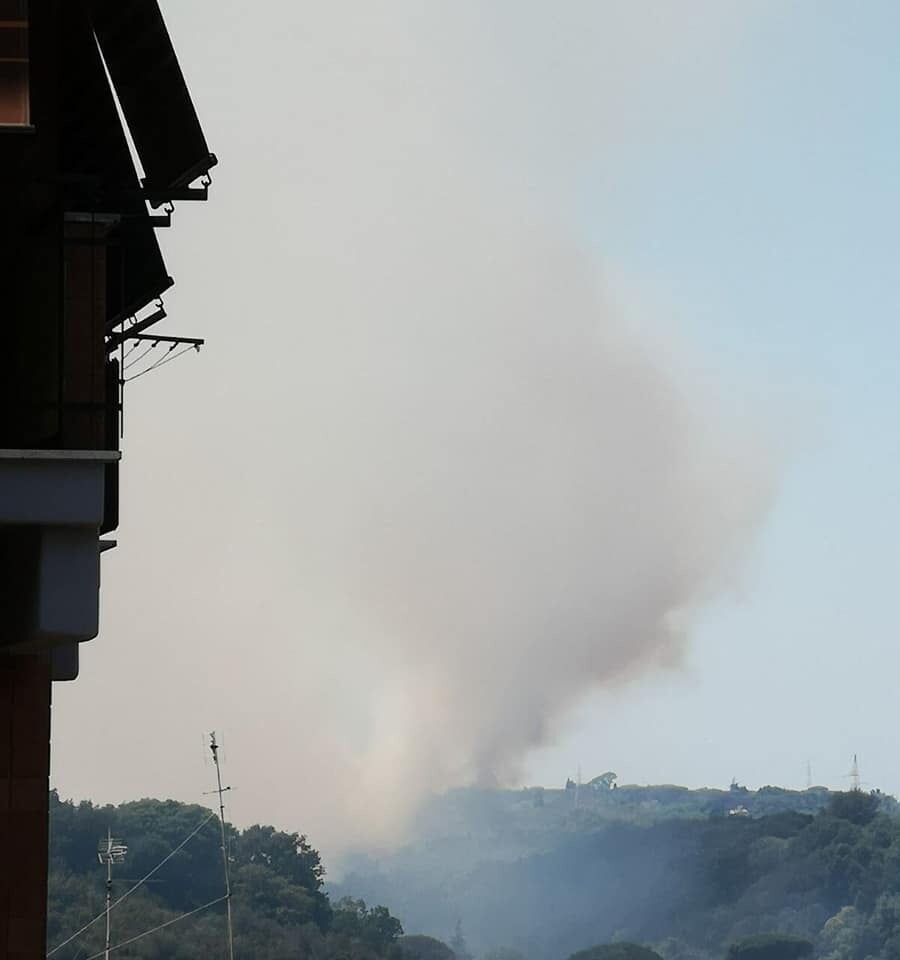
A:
163,361
161,926
140,882
140,356
152,365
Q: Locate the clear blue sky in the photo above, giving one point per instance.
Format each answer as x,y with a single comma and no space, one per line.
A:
772,235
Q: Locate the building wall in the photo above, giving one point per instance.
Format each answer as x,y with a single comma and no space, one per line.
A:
24,788
31,248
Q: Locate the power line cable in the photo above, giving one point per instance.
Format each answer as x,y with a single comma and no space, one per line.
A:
155,929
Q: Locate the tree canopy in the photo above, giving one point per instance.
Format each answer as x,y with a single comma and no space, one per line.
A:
417,946
281,909
616,951
823,882
770,946
662,866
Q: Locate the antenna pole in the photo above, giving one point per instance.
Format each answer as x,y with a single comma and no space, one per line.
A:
214,748
109,863
110,851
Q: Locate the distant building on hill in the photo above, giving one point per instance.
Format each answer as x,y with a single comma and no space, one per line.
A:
606,781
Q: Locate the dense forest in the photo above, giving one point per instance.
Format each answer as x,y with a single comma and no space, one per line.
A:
280,908
750,879
686,872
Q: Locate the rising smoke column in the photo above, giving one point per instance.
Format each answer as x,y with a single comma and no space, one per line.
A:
431,487
531,502
510,496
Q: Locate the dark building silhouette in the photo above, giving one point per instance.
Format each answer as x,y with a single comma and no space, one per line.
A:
82,276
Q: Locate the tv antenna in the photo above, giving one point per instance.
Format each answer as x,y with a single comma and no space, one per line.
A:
110,851
220,790
808,774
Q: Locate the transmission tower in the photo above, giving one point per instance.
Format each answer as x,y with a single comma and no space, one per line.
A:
854,775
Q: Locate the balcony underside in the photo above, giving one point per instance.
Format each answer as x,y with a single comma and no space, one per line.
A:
51,509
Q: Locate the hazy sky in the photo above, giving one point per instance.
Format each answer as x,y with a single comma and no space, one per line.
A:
718,180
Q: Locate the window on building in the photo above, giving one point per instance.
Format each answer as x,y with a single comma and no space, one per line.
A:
14,62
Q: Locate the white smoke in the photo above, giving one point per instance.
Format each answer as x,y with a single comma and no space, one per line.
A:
436,489
522,500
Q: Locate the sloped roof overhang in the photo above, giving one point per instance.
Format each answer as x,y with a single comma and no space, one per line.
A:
99,173
151,90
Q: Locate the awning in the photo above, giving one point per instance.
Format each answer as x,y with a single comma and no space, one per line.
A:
99,175
151,89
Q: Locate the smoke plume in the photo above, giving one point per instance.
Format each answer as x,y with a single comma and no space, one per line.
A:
437,487
526,501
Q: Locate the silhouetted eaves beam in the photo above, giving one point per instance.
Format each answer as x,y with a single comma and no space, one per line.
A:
194,341
117,337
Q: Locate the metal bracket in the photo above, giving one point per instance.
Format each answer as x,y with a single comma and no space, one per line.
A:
193,341
165,218
117,338
157,198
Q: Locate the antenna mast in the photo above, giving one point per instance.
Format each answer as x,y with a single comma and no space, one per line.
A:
214,748
808,774
110,851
